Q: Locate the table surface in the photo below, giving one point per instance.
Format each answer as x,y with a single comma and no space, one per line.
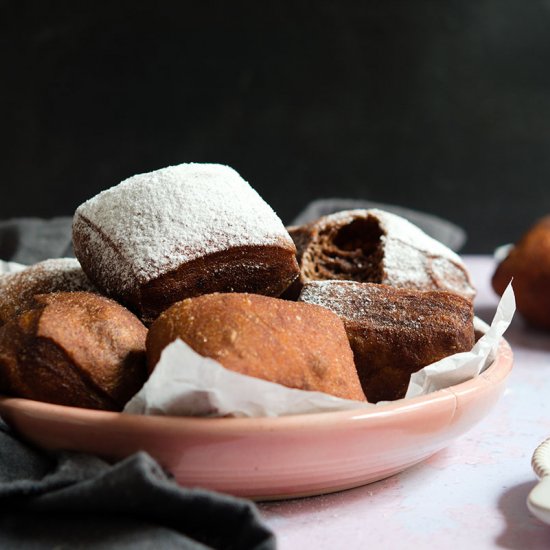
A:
470,495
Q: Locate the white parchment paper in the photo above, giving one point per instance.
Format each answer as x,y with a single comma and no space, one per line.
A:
186,384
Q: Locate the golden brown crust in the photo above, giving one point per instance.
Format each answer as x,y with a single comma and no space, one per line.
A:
528,263
395,332
294,344
73,348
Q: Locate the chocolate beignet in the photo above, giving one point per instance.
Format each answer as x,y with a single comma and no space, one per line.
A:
374,246
294,344
395,332
182,231
17,290
528,264
73,348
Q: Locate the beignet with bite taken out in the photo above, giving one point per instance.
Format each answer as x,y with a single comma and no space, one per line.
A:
373,246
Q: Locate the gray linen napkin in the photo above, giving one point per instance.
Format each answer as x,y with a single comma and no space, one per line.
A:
73,500
31,240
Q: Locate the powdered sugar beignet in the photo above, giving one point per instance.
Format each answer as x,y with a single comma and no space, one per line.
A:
374,246
17,289
179,232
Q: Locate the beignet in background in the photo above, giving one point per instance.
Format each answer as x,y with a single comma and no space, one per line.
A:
294,344
528,263
374,246
17,290
395,332
73,348
182,231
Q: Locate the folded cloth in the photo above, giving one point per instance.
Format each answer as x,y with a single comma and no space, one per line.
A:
73,500
30,240
442,230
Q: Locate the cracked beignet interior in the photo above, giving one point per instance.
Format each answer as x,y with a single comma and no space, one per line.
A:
373,246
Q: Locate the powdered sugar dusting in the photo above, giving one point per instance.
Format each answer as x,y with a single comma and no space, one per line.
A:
60,274
413,259
341,297
406,246
10,267
53,272
402,231
383,305
354,301
157,221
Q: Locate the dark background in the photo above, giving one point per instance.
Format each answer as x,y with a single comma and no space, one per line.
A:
438,105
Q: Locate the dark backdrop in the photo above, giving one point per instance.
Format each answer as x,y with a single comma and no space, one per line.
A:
438,105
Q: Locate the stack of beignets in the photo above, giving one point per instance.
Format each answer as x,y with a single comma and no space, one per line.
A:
395,332
193,251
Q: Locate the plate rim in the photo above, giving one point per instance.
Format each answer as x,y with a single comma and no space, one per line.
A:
497,372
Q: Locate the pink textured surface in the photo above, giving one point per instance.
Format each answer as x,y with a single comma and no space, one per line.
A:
470,495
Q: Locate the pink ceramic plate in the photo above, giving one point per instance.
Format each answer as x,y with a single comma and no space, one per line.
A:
273,458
